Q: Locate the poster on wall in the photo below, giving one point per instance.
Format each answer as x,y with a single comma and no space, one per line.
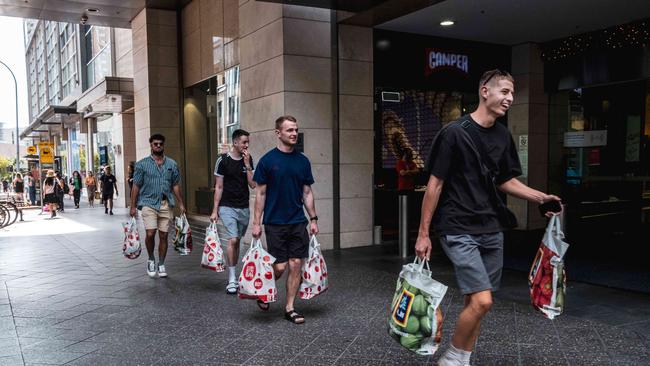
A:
410,123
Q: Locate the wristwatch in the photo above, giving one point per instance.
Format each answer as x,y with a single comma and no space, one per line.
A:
315,218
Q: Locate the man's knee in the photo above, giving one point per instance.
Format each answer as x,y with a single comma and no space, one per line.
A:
151,234
279,269
295,264
481,302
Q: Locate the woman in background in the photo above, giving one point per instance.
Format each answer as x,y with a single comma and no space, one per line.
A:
50,197
91,188
75,182
19,187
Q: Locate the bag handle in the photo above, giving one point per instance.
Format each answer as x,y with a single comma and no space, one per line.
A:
420,263
313,241
556,225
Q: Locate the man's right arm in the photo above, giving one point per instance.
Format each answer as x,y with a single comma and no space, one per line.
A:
218,190
429,204
260,201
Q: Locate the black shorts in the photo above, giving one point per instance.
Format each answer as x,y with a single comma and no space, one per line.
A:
287,241
107,196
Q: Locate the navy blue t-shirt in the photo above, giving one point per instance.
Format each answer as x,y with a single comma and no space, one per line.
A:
285,175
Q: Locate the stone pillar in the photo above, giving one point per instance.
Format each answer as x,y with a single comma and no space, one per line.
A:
155,81
356,134
528,123
123,136
91,128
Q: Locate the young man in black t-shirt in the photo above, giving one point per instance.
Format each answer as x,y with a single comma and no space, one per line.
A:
461,199
233,176
109,184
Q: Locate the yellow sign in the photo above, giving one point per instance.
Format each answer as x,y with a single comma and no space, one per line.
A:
31,150
46,152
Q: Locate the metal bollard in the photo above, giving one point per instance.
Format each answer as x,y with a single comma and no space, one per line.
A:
403,226
376,235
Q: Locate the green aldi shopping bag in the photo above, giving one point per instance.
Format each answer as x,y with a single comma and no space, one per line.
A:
415,320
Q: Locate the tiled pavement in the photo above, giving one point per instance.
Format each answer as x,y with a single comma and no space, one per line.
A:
67,296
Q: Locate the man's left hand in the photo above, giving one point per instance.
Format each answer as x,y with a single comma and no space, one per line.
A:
181,207
313,227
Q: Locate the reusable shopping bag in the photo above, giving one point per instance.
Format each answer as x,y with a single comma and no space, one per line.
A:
547,277
415,320
131,248
183,239
257,280
314,272
212,253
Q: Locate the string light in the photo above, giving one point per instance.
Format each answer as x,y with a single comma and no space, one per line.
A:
622,36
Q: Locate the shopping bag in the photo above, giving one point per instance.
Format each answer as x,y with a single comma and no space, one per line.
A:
257,280
131,248
314,272
212,253
415,320
547,277
183,239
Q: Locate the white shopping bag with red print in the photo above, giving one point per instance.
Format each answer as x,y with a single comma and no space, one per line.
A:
547,277
212,258
257,280
131,248
314,272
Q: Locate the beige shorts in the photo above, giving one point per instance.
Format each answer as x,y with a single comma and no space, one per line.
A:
157,219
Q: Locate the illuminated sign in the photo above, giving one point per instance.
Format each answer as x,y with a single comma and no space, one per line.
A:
443,60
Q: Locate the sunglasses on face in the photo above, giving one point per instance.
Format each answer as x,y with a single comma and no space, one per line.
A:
493,74
158,143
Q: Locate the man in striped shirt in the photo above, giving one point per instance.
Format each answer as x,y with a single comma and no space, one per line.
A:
156,182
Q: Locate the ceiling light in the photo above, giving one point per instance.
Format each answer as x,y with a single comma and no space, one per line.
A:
447,23
92,10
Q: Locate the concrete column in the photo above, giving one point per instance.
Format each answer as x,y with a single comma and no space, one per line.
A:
123,136
528,123
356,134
155,81
90,143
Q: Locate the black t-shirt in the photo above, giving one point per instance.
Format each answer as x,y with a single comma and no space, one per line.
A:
108,182
465,206
235,181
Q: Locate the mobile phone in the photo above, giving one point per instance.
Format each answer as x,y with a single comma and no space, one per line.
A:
552,206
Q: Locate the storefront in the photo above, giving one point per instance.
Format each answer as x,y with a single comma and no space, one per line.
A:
421,84
599,93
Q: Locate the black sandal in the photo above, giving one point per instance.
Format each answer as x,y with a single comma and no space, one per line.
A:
294,317
263,305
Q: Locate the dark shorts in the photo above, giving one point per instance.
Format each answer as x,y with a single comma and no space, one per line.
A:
50,198
107,196
287,241
477,259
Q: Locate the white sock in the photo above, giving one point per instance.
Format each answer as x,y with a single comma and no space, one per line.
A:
232,277
455,357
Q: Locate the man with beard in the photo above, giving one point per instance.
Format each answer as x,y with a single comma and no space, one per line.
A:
472,159
233,174
156,182
284,178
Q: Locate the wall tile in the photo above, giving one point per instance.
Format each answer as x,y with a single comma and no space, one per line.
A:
356,112
356,180
355,77
259,114
307,74
191,59
312,110
261,45
262,79
190,17
356,214
356,147
306,12
253,15
306,38
323,176
356,239
318,145
355,43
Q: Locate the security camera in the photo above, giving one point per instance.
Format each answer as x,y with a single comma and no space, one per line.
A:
84,19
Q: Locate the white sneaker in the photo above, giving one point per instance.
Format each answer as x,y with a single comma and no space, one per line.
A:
151,268
161,271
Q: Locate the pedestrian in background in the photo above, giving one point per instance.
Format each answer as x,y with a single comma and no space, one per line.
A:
31,184
470,159
61,190
91,188
75,182
48,192
283,186
233,175
156,182
109,186
407,170
19,187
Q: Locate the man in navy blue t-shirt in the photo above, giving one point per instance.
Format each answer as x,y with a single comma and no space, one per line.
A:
283,177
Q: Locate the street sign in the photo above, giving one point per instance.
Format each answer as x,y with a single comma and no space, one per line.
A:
46,152
31,150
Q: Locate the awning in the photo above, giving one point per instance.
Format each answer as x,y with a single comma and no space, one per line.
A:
53,116
111,95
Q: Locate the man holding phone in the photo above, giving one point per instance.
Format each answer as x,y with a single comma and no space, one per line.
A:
472,161
233,174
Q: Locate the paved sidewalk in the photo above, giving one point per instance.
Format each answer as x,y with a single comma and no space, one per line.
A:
67,296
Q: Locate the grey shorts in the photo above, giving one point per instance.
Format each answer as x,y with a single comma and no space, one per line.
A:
235,221
477,259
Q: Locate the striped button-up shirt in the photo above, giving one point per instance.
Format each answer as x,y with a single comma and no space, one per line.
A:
155,181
